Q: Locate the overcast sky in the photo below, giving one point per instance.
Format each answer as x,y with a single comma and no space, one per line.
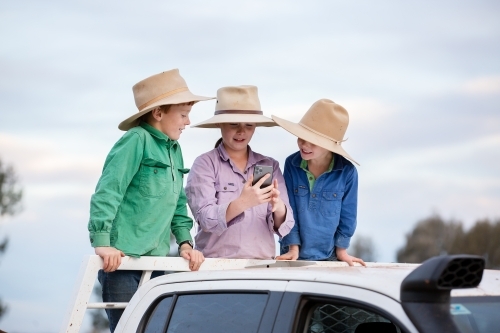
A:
420,80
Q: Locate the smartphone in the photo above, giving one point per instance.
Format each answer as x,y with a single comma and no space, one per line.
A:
260,171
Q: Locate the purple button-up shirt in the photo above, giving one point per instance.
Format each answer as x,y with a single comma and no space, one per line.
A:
213,182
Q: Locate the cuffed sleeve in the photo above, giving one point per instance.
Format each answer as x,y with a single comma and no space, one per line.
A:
348,213
121,165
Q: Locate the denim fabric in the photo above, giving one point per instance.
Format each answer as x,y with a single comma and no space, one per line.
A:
325,217
120,286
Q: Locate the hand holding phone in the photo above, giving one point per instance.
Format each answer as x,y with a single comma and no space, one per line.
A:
260,171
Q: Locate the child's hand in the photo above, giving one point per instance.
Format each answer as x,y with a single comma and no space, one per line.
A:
112,257
195,257
254,195
343,256
276,202
292,254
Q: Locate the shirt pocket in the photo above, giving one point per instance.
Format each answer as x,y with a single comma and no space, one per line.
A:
155,178
225,193
301,193
330,203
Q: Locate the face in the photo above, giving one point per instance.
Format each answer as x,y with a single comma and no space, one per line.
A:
236,136
174,120
309,151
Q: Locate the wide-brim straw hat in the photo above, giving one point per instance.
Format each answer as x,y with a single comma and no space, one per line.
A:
324,125
161,89
237,104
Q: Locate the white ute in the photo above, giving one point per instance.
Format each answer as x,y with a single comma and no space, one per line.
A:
444,294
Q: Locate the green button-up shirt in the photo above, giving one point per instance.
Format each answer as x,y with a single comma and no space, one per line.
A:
140,197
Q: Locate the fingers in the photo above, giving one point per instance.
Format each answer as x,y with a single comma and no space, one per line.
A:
249,181
195,258
262,180
358,260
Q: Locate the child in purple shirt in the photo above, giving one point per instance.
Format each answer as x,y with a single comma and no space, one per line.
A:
235,218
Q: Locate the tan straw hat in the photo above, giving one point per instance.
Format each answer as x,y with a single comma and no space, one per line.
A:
237,104
161,89
324,125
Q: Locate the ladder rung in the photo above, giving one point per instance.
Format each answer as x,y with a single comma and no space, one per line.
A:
107,305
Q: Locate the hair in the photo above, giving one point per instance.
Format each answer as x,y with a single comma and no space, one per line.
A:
217,144
145,117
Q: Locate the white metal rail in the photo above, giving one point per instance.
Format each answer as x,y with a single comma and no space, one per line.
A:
93,263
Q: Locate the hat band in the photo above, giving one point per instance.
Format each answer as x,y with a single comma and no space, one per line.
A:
162,96
322,135
237,112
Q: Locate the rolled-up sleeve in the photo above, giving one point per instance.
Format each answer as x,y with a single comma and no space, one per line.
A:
347,223
287,225
201,196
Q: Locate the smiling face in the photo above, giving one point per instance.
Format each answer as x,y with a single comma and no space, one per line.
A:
172,121
309,151
236,136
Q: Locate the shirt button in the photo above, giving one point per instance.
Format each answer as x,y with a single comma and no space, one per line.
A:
245,172
310,178
296,191
243,181
314,195
334,194
225,188
156,171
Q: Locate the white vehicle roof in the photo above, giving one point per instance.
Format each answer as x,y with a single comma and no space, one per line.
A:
382,278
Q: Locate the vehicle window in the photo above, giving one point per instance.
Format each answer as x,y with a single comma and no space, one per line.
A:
158,319
476,314
224,312
331,317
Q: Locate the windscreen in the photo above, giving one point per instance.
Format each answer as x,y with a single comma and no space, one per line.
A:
476,314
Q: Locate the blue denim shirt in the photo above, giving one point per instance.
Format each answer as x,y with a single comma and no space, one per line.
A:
325,217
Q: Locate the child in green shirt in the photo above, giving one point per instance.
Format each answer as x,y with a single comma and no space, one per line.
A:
140,199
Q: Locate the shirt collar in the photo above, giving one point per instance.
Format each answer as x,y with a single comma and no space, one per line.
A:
158,134
303,164
253,158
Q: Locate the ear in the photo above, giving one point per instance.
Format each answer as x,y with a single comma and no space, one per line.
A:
157,114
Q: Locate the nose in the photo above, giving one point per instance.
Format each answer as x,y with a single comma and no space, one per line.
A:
187,121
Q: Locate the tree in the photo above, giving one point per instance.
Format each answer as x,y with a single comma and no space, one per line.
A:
10,201
433,236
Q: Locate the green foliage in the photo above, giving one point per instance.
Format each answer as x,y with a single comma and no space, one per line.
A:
10,200
433,236
10,195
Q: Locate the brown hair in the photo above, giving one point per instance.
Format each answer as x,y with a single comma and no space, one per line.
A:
145,117
218,143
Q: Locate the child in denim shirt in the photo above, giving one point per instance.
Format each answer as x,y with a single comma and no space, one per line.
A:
322,187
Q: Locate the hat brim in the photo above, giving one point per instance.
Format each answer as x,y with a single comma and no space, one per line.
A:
214,122
179,98
305,134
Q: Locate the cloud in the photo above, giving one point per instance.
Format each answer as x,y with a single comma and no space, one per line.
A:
489,85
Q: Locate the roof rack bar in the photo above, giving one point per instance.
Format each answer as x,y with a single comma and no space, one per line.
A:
92,264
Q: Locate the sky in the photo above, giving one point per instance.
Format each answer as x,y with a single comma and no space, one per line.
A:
420,80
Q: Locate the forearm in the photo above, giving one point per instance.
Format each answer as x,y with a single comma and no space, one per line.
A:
235,208
279,215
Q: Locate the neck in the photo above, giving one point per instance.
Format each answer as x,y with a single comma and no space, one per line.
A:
239,157
319,165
